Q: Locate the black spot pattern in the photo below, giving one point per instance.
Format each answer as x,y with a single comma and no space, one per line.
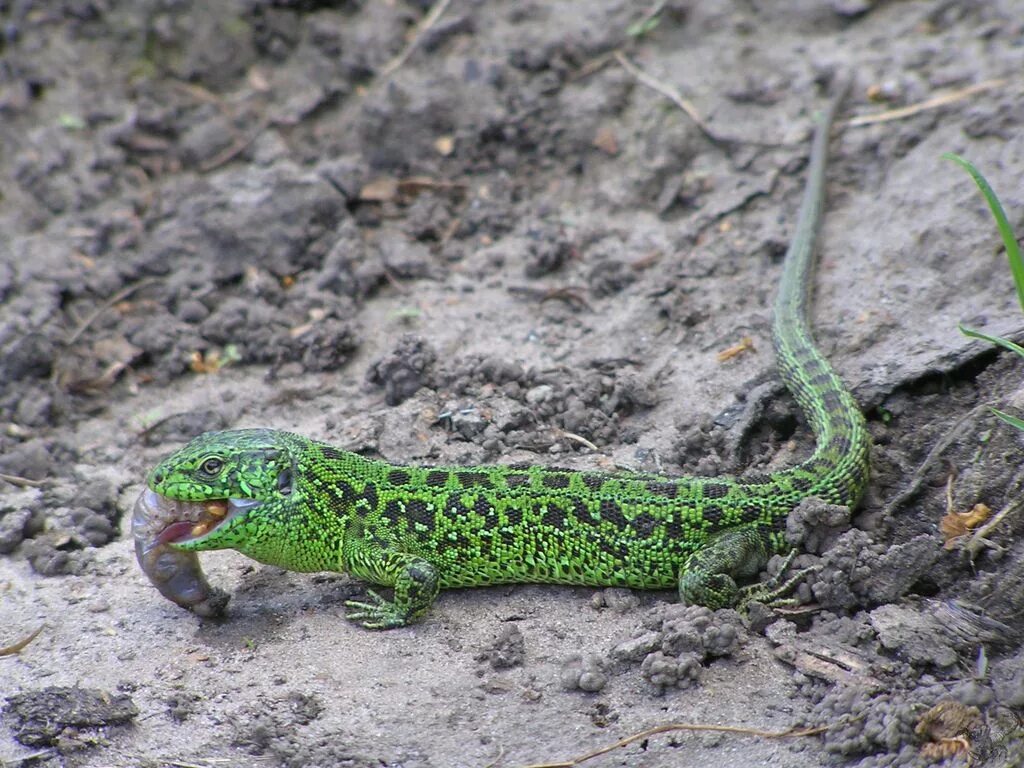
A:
644,524
341,495
586,516
839,443
611,513
370,495
515,481
820,380
331,453
833,401
436,479
392,511
752,512
778,523
553,516
418,511
470,479
556,481
454,507
593,482
398,477
816,466
713,514
801,484
668,490
715,490
486,510
580,510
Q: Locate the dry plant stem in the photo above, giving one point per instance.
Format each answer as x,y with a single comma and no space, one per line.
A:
922,106
668,727
937,450
124,293
15,648
653,11
664,89
981,533
683,103
23,482
29,759
237,147
428,21
594,65
205,762
580,439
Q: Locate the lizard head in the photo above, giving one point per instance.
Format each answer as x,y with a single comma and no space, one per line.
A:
224,485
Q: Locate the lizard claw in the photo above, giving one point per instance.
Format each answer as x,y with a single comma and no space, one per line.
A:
375,613
772,592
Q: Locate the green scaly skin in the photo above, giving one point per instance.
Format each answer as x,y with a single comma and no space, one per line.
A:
422,529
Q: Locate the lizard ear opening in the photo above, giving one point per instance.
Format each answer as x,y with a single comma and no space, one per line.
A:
284,482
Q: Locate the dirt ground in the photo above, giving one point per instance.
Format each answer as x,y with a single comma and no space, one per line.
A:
485,237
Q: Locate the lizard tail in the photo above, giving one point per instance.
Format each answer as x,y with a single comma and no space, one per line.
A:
837,471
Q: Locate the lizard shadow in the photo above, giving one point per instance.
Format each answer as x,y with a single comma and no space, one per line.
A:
268,600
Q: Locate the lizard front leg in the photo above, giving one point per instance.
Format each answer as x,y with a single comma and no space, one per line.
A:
415,582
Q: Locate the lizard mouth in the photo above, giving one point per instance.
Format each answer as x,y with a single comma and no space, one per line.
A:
194,520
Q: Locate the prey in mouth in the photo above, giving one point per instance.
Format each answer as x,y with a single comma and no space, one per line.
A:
195,520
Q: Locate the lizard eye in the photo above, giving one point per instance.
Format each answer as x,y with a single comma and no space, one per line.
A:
211,466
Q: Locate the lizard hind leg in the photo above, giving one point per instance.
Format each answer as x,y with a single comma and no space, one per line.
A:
708,577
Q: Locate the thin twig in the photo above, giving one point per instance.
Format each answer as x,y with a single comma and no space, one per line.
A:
922,106
980,533
497,759
393,280
425,24
124,293
684,104
17,647
650,13
236,148
580,439
791,733
936,451
596,64
203,762
602,60
23,482
31,757
664,89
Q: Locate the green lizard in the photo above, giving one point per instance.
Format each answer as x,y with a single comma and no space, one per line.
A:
306,506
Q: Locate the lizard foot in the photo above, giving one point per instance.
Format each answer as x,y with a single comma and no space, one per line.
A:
772,592
376,613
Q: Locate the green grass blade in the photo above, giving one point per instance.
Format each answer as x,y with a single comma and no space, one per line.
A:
1005,230
1013,421
1004,343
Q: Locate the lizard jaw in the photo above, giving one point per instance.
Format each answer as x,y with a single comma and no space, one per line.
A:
196,520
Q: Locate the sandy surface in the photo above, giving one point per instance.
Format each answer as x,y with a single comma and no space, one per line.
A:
245,214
